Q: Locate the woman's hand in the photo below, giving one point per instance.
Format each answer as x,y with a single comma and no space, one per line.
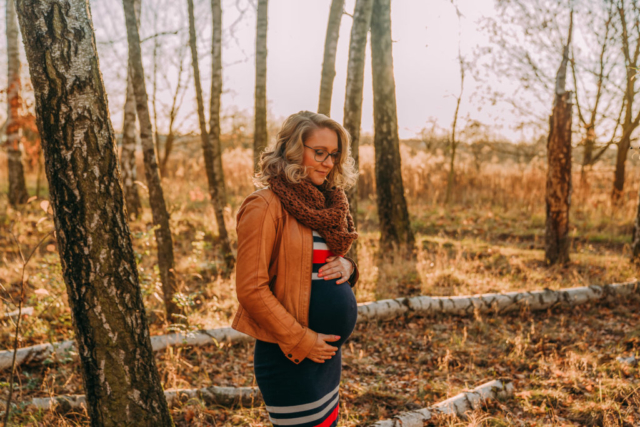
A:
334,266
323,351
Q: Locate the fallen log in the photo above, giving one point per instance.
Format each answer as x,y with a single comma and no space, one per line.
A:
379,310
456,405
66,349
497,303
222,396
26,311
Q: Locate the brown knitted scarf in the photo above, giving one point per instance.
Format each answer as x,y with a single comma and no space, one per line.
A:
320,208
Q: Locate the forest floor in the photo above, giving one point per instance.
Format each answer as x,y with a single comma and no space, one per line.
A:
562,361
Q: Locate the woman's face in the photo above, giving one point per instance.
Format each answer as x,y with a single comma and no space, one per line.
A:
322,139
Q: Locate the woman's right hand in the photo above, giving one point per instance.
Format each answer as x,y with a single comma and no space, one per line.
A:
323,351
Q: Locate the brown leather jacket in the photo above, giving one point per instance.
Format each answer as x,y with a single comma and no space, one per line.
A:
273,275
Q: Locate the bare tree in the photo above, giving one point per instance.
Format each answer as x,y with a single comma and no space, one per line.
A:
128,153
601,72
528,36
214,104
211,140
453,143
329,60
630,32
353,96
162,230
121,381
260,132
17,186
395,227
558,189
176,103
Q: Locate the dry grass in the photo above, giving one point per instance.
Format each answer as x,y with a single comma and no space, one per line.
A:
489,239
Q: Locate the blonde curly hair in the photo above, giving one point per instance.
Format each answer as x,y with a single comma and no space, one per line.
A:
285,156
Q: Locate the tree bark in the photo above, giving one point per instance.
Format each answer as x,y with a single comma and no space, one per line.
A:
558,187
395,227
260,133
162,230
17,186
329,60
128,153
211,141
353,96
119,372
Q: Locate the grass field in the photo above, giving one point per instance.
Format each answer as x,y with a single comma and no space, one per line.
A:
489,239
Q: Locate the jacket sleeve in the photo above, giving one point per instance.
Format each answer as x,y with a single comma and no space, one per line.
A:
353,279
256,230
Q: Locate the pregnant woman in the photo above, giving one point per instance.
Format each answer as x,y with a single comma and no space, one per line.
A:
293,281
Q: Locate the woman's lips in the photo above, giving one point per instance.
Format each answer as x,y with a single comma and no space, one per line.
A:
322,173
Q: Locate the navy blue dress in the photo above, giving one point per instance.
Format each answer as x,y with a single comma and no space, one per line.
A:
307,394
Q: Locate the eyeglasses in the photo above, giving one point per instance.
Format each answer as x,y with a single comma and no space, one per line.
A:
321,155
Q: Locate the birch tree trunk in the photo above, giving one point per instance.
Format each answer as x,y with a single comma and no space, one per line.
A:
395,229
214,104
128,153
212,156
329,60
162,231
558,188
17,186
353,96
119,373
260,133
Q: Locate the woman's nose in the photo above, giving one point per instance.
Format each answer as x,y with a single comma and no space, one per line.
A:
330,160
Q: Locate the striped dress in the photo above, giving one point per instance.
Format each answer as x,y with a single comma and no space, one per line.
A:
307,394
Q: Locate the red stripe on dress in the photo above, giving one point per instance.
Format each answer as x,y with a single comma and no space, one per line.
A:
330,419
320,255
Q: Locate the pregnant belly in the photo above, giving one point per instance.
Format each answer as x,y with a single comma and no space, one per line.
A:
333,309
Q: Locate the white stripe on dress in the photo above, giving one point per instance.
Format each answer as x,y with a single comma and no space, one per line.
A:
308,418
304,406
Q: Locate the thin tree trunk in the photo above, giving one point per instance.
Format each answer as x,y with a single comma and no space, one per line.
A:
558,188
629,123
329,60
214,175
353,96
128,153
120,377
260,133
173,113
395,228
215,171
454,141
164,240
17,186
214,104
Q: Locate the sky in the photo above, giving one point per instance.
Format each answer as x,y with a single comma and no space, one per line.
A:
425,35
425,47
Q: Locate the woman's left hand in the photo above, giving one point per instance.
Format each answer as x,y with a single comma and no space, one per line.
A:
334,267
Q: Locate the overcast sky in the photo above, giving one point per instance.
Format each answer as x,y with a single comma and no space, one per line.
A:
425,35
425,47
425,63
